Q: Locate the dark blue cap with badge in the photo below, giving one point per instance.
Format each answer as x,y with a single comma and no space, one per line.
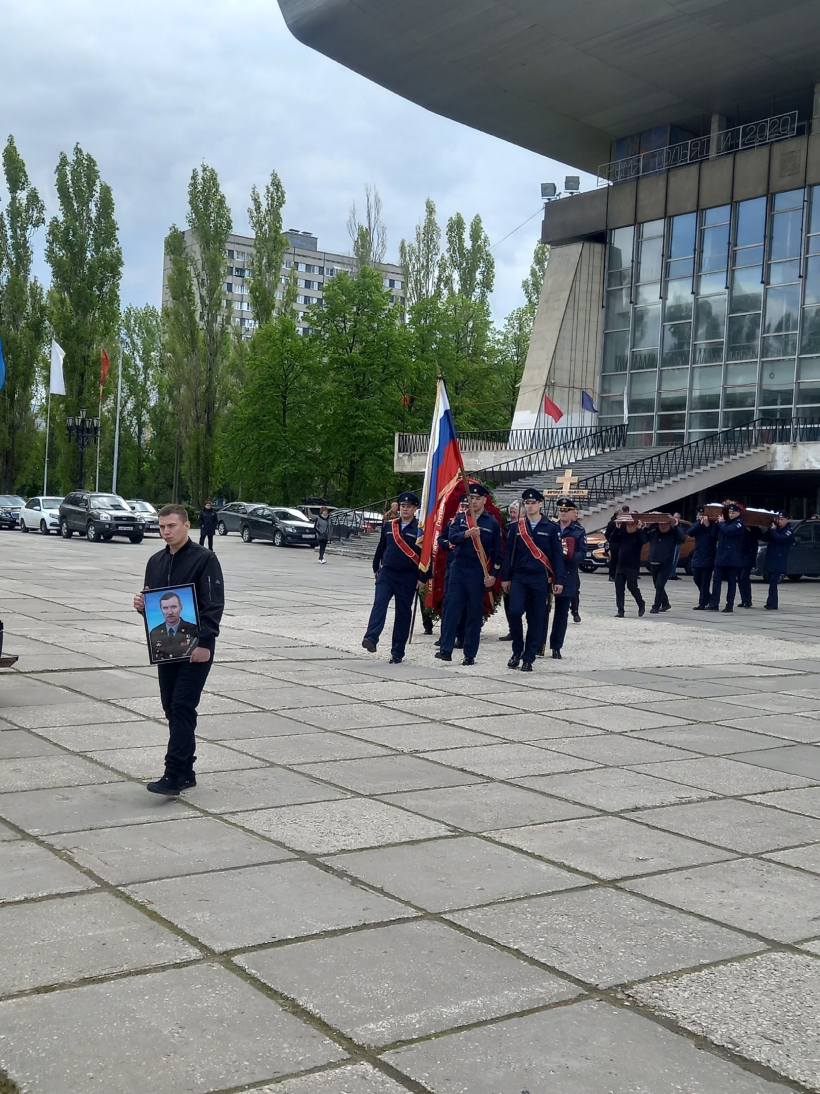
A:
531,494
409,497
565,502
783,514
479,489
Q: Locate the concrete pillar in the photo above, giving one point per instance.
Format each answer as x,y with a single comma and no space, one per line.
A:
565,348
716,129
815,110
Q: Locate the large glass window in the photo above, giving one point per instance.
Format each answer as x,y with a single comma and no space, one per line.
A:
616,351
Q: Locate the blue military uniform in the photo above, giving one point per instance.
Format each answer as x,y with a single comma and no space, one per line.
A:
396,579
751,539
779,541
728,558
574,548
465,582
529,591
703,559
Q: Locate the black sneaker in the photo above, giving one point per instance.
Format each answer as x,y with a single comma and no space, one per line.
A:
443,655
745,605
699,608
505,638
369,645
187,781
514,662
395,660
619,615
641,610
468,661
556,654
770,607
654,611
666,608
576,618
526,666
727,610
167,785
459,644
711,608
428,629
437,642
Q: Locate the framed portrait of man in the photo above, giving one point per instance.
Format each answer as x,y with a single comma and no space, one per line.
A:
171,623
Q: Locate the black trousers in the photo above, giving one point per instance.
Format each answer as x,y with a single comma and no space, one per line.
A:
180,688
463,605
702,577
528,596
210,538
322,548
627,579
661,572
771,599
744,583
729,575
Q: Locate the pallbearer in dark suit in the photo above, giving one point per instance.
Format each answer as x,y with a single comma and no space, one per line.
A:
574,548
396,570
468,579
532,560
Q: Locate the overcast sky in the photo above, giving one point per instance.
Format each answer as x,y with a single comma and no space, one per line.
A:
152,88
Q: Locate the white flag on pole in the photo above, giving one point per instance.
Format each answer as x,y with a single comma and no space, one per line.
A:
57,383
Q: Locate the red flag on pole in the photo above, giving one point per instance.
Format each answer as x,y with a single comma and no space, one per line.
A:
105,366
550,408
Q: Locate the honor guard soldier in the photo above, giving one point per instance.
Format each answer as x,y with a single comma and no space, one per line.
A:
574,548
779,541
468,579
396,570
728,556
532,558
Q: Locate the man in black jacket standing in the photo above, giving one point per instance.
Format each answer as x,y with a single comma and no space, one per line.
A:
663,539
207,525
181,682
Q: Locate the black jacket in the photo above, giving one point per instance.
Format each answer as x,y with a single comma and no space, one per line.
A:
705,537
662,544
207,521
628,546
197,566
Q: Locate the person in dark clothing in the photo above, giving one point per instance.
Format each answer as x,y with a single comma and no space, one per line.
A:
181,682
467,582
629,538
574,550
614,544
663,539
779,541
514,511
748,558
448,547
533,559
704,533
323,529
728,556
207,525
397,576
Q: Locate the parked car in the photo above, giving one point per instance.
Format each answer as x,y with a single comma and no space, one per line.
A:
597,556
312,507
283,527
804,557
149,513
99,516
10,507
230,515
42,513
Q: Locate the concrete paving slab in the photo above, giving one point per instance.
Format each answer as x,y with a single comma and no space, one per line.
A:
323,828
353,1079
107,735
78,937
423,737
148,762
151,707
379,691
750,894
723,775
384,774
352,716
779,725
509,761
255,905
616,693
145,852
609,847
766,1008
613,789
605,937
33,772
802,760
233,791
527,727
805,858
67,714
71,809
790,702
17,743
485,806
616,749
445,708
805,801
248,1038
581,1048
305,748
621,719
736,825
104,684
713,740
454,873
28,871
404,981
226,727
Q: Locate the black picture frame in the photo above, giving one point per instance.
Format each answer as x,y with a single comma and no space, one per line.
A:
163,648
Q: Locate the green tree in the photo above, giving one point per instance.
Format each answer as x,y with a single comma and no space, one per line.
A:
420,258
268,248
468,267
142,340
22,318
198,326
84,254
369,237
533,282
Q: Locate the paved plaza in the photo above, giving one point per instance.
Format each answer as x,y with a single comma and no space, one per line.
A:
601,878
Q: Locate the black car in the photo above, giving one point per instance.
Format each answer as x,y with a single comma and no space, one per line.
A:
282,527
99,516
232,514
804,557
10,506
147,512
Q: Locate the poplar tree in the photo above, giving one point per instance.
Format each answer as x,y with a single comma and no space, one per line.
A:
269,248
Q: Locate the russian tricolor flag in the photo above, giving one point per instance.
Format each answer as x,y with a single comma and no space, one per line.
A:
444,466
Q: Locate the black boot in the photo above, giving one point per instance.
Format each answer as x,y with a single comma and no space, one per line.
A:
169,785
514,661
443,655
557,655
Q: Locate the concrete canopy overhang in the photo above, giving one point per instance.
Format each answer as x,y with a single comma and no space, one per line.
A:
565,78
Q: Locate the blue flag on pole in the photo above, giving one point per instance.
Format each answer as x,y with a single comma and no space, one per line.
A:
2,367
587,403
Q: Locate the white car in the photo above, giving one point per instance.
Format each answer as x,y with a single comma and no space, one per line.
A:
41,514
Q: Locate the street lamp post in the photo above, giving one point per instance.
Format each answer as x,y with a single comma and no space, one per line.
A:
82,430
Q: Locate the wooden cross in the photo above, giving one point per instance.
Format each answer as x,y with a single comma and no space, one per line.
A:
567,480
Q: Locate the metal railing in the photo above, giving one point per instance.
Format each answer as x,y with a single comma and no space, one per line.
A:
481,440
631,477
361,521
561,454
765,131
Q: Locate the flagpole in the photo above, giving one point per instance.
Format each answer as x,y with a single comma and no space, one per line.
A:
48,428
117,426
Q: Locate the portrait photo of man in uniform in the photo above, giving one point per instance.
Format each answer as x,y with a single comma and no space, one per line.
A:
171,621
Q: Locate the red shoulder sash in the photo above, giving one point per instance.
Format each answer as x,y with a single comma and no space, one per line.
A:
532,546
402,543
